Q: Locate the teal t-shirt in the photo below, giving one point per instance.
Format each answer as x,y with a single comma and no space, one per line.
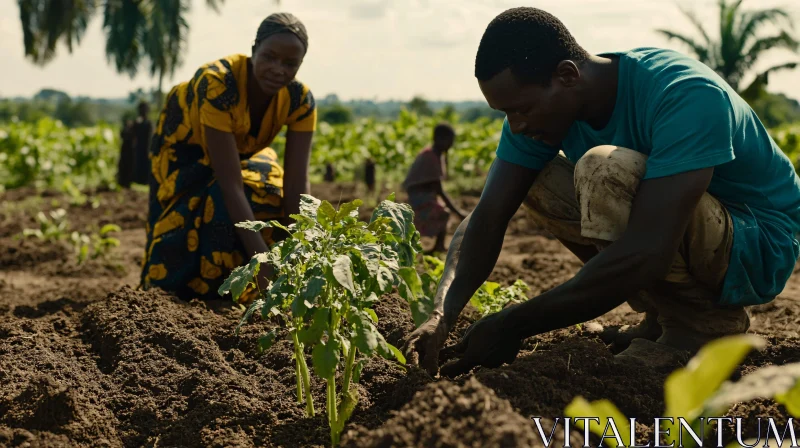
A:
685,117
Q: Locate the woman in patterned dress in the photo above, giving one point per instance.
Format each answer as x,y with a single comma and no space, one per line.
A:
211,164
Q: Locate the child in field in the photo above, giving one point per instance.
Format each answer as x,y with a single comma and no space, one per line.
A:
424,187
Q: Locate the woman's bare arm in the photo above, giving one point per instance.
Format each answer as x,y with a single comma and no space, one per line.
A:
228,172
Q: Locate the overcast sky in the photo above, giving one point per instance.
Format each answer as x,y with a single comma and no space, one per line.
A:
382,49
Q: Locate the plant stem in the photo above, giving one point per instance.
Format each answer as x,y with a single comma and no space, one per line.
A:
307,387
348,376
299,379
332,414
336,430
303,374
298,354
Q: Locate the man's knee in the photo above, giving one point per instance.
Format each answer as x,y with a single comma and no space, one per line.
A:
605,163
552,202
606,180
553,192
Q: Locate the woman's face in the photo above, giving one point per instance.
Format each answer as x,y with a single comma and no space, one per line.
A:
276,61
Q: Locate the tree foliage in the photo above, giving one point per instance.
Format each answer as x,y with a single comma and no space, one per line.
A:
150,32
740,42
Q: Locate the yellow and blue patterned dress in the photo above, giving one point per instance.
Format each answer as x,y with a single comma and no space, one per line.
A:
191,242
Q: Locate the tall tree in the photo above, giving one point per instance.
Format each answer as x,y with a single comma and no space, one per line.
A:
420,105
45,22
741,42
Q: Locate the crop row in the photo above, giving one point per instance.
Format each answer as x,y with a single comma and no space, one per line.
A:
45,154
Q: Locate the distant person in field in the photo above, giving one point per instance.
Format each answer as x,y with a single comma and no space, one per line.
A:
424,187
125,165
670,190
143,133
330,173
369,174
212,164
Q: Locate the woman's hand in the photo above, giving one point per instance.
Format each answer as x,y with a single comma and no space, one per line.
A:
228,173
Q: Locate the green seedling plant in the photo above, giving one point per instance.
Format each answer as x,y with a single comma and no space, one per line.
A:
701,389
328,274
96,245
489,298
76,196
102,242
53,226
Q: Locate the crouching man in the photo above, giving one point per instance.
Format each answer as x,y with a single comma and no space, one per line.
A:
670,190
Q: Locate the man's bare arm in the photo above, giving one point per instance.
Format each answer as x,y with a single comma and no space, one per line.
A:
478,240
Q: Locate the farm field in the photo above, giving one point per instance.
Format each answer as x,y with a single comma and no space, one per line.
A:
87,360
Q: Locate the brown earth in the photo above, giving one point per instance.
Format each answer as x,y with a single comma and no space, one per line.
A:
86,360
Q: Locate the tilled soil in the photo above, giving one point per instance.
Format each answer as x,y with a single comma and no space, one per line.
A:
87,360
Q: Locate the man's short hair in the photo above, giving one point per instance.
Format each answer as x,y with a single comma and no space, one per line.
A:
530,42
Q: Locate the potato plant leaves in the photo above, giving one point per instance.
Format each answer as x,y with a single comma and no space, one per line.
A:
241,277
325,358
327,274
343,273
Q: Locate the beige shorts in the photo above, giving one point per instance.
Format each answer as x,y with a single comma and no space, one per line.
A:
589,204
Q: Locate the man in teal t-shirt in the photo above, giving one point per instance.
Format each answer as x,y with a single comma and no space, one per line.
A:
669,188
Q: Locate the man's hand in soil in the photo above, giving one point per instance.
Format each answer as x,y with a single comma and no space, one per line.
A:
473,252
659,216
422,347
486,343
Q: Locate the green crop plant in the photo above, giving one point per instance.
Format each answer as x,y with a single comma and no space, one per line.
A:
46,153
327,276
53,226
98,244
103,242
392,145
701,390
489,298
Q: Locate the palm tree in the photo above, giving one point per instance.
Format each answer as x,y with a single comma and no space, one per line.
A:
137,31
740,44
45,22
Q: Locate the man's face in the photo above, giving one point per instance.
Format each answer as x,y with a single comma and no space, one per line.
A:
544,113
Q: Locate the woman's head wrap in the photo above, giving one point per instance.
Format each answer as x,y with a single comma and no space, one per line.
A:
281,22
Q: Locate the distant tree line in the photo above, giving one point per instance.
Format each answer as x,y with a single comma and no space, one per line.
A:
773,109
334,111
